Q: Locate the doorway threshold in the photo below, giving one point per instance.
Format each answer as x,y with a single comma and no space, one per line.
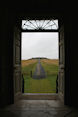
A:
40,96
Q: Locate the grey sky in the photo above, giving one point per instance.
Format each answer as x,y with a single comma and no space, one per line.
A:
39,45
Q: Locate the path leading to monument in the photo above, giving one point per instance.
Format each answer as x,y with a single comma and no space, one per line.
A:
39,71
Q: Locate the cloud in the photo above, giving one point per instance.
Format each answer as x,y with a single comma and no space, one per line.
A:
40,45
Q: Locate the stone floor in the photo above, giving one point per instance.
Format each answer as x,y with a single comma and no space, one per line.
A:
38,108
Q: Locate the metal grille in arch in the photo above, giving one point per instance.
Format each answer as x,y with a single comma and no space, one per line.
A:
40,24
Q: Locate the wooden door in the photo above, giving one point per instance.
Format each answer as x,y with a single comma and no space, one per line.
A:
61,74
17,63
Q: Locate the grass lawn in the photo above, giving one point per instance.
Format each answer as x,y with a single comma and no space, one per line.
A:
46,85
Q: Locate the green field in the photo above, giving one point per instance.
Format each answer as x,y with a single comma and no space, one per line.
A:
46,85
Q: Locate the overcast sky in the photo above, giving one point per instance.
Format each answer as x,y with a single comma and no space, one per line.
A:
39,45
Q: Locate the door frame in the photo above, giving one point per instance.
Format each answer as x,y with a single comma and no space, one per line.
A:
62,97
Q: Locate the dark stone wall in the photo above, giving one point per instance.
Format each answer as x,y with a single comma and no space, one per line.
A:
6,58
74,62
68,38
71,59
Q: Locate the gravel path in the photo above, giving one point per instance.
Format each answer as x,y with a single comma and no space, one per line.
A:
39,71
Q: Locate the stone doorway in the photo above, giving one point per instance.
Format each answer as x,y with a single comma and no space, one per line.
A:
17,62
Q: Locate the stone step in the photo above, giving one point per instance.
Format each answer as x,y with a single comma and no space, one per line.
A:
40,96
